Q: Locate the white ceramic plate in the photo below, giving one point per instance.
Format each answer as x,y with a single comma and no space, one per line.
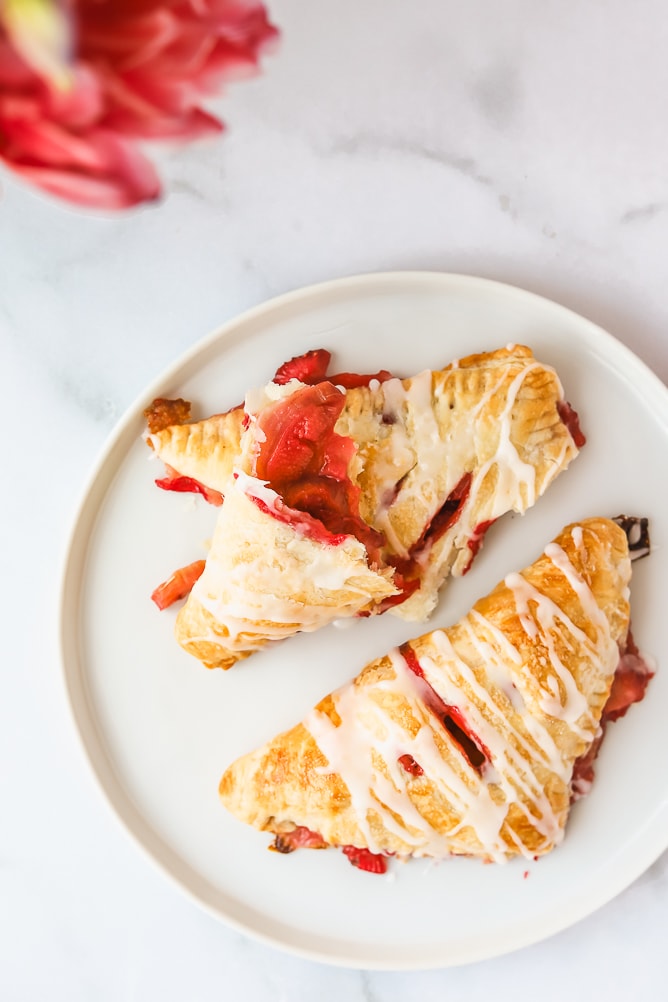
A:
159,729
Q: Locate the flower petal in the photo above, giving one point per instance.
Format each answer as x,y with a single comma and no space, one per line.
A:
41,31
80,189
98,168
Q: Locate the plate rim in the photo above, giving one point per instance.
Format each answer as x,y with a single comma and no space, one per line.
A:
73,563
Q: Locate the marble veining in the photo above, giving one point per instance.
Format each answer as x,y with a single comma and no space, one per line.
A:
643,213
367,144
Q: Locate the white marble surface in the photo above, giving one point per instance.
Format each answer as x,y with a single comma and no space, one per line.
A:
521,141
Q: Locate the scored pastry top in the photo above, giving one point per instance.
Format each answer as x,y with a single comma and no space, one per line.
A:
463,741
390,486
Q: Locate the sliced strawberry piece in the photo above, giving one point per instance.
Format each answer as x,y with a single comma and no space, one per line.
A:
295,431
311,367
178,585
189,486
628,686
337,451
298,838
305,462
364,859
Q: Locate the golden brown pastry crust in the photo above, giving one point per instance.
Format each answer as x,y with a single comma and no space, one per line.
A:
203,450
468,400
528,670
262,582
495,420
486,429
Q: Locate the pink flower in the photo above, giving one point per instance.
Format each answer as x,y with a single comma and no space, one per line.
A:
139,70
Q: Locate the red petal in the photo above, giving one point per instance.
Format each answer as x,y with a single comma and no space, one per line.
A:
80,189
144,107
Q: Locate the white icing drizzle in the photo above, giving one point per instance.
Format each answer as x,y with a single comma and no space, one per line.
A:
566,702
516,741
445,455
348,749
253,591
592,610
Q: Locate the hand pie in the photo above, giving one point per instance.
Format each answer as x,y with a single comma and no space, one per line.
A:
464,741
347,502
200,456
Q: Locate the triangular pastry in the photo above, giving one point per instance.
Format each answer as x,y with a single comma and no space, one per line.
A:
263,581
464,741
199,455
352,501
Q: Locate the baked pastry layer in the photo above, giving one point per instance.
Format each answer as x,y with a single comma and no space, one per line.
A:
463,741
428,464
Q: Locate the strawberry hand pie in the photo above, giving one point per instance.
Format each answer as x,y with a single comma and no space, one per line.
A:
355,495
473,740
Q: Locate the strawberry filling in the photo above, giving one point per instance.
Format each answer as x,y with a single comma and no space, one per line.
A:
406,586
408,569
572,421
412,767
475,542
302,459
628,686
174,482
178,585
445,518
304,838
630,682
301,521
353,380
454,722
310,368
298,838
364,859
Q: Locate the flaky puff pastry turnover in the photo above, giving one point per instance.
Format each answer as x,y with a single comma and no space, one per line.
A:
467,740
347,502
